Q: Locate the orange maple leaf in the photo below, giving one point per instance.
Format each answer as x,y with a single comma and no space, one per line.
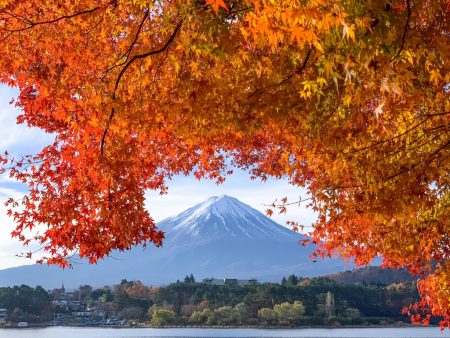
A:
216,4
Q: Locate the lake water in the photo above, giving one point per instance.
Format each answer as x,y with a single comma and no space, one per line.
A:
69,332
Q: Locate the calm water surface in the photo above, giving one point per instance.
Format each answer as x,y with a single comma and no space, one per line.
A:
68,332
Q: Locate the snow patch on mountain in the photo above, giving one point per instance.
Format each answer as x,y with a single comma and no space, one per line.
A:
223,216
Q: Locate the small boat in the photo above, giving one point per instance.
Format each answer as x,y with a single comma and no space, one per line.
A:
22,324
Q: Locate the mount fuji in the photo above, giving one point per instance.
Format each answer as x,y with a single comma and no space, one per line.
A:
221,237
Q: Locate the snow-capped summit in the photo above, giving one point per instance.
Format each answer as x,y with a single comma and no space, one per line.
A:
220,217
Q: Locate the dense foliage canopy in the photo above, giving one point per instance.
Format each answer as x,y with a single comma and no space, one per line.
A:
347,98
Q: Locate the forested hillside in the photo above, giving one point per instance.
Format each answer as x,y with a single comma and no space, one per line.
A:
373,274
293,302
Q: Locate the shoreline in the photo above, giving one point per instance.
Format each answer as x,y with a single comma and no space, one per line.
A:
144,326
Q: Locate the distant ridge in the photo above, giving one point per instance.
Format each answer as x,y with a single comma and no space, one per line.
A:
220,237
372,275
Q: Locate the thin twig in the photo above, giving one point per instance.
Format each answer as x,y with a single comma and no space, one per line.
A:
159,66
32,24
297,202
299,70
405,31
389,139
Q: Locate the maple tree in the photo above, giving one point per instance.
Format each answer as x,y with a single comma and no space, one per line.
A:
347,98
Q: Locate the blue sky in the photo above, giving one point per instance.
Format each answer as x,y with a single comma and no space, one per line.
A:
184,192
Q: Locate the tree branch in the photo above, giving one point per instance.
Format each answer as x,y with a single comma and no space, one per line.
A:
411,167
32,24
299,70
130,49
408,10
260,91
124,69
142,56
372,145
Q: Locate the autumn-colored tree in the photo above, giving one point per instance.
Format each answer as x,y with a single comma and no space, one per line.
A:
347,98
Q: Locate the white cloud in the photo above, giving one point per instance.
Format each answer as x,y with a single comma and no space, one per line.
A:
10,247
18,139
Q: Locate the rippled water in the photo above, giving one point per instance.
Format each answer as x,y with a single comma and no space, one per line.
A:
69,332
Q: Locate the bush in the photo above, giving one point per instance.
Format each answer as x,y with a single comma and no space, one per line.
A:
270,316
162,317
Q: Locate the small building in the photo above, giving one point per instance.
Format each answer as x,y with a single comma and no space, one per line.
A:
214,281
58,319
3,316
230,281
62,304
77,306
82,314
252,281
99,314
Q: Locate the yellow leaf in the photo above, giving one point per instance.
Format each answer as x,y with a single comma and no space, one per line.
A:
318,46
349,32
435,76
347,100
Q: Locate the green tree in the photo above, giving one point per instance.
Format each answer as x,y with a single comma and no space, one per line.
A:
243,312
30,300
270,316
201,317
162,317
189,279
292,280
288,313
226,315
